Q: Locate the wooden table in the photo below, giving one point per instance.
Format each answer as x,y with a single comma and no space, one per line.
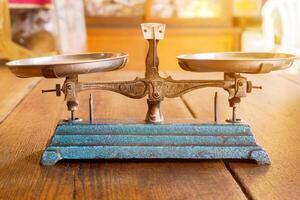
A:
274,114
12,90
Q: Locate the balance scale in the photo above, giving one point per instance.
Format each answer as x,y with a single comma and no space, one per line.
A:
152,138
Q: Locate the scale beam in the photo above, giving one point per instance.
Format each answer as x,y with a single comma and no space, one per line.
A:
157,89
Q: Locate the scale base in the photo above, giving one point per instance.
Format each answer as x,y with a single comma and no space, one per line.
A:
149,141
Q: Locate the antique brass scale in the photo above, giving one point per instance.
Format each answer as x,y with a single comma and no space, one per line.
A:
107,139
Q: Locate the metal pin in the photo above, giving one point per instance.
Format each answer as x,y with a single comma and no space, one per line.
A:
91,108
72,115
216,107
234,114
257,87
45,91
154,48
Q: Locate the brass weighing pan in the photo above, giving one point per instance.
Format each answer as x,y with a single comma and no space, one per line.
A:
65,65
235,62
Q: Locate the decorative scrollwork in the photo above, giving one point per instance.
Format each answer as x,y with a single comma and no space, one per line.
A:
177,88
134,89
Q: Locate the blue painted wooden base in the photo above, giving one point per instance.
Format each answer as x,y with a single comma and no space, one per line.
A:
140,140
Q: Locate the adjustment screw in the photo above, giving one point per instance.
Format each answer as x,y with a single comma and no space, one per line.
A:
257,87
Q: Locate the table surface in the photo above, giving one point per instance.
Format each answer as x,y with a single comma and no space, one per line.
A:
273,113
13,90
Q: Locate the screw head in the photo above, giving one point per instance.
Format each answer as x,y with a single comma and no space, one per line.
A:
156,95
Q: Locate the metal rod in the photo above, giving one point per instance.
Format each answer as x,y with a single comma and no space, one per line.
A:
216,107
72,115
91,108
234,114
52,90
154,48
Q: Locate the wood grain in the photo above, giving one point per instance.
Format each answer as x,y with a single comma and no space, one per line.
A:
274,115
24,134
12,90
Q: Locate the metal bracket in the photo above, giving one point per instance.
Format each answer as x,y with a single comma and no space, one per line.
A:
153,31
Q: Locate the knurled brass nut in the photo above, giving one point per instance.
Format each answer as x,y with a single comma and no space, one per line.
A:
58,90
249,86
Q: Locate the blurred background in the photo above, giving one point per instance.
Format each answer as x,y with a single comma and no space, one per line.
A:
30,28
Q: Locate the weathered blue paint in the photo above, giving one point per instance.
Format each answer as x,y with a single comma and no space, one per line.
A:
130,141
116,140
